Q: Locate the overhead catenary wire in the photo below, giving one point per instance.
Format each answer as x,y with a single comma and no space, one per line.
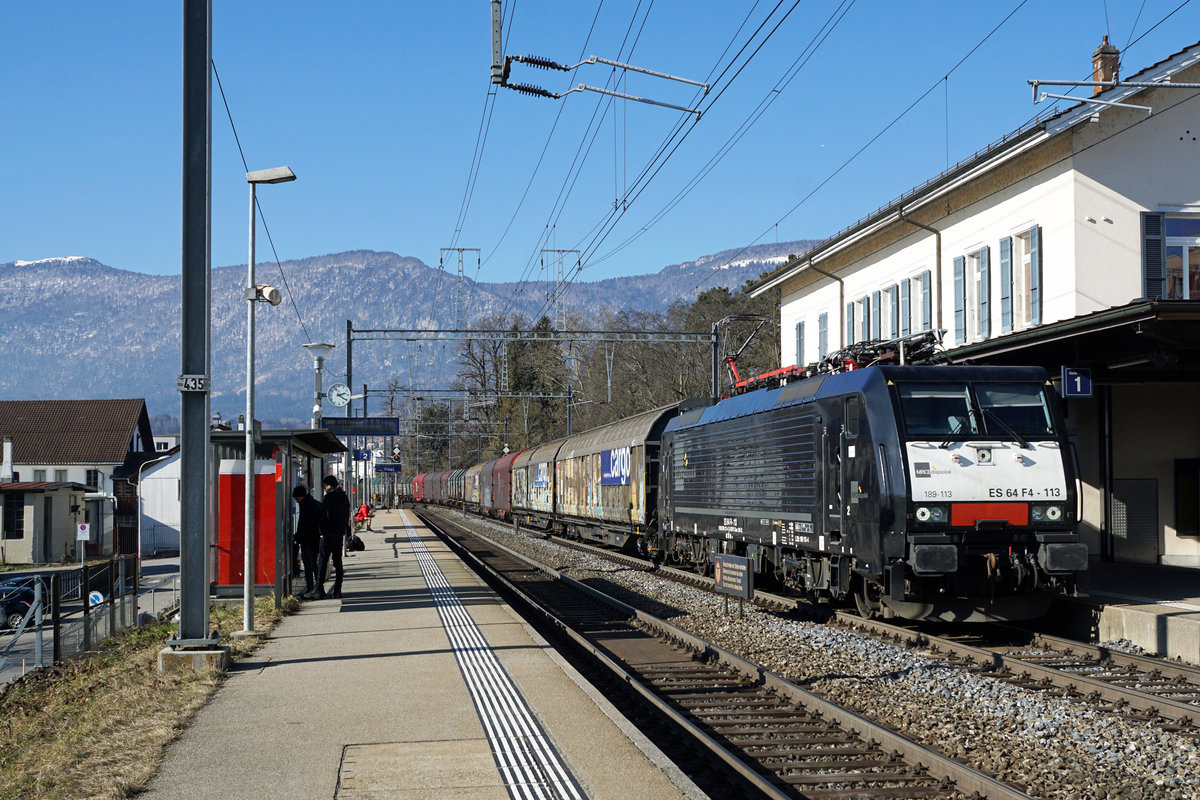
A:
577,162
685,118
863,148
772,94
258,208
808,196
675,139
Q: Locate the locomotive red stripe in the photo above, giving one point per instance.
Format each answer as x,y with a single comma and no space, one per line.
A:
970,513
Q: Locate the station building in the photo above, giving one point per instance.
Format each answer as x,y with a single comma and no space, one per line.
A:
1072,242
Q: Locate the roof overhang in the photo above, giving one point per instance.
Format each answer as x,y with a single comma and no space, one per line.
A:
319,441
1146,340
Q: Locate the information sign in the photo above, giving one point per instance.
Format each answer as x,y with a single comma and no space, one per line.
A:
389,467
83,532
362,455
1076,382
733,576
362,426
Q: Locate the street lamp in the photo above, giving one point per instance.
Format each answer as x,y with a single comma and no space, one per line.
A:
255,293
318,352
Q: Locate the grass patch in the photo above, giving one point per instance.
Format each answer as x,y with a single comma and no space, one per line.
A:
97,727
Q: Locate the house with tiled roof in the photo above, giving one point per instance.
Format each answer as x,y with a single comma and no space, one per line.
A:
68,462
1072,243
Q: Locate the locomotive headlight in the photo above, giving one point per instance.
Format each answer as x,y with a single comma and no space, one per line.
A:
1047,513
931,514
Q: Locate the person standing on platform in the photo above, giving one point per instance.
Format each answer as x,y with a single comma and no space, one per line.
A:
308,536
335,526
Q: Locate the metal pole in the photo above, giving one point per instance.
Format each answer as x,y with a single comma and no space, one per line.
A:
195,319
716,364
362,491
248,563
38,597
349,406
570,393
316,420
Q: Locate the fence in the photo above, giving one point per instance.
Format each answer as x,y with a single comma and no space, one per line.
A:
79,608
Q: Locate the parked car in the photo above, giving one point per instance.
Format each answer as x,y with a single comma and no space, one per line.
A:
15,600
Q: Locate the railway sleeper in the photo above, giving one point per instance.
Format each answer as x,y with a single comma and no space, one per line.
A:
904,792
800,741
905,779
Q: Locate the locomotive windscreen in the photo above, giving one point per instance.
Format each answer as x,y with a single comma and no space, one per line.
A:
948,409
937,409
1020,407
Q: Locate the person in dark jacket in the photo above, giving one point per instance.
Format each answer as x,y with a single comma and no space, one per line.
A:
308,536
335,525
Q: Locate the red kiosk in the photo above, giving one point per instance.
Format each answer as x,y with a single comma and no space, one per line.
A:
231,522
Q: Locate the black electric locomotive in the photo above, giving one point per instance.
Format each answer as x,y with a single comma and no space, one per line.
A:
922,492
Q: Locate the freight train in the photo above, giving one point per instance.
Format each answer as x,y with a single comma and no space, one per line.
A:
921,492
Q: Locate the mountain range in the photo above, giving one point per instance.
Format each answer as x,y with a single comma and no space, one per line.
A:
74,328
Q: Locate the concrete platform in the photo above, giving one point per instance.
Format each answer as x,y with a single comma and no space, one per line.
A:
1155,607
410,686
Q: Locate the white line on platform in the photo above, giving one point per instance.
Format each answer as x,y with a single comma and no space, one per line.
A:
525,757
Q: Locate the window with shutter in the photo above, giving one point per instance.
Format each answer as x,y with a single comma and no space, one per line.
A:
822,336
864,308
893,295
1035,275
1152,255
799,344
876,321
1006,287
960,299
927,300
849,323
984,305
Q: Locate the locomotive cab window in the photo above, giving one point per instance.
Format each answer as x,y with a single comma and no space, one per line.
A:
1017,407
937,409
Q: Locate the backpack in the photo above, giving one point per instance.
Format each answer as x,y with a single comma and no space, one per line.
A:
355,544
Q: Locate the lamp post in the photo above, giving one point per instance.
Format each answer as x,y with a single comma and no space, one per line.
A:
254,294
318,352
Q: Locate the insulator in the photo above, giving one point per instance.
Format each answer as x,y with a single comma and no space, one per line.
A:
525,88
542,63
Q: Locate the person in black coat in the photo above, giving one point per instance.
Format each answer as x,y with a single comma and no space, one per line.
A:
308,536
335,525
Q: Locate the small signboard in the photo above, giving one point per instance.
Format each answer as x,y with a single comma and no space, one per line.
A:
733,576
362,426
83,532
362,455
1076,382
389,467
95,598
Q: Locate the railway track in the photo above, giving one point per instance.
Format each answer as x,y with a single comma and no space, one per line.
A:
1160,693
772,735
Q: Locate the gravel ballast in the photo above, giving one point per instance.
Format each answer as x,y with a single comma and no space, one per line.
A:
1051,747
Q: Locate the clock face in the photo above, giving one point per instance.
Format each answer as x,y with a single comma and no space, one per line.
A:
339,394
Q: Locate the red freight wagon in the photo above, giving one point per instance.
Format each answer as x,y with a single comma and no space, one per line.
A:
501,483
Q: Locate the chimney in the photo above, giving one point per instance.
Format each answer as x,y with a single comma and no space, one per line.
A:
1105,64
6,466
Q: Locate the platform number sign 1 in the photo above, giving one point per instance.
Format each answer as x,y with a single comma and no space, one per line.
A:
1076,382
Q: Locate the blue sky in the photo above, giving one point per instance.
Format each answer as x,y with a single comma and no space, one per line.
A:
377,107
